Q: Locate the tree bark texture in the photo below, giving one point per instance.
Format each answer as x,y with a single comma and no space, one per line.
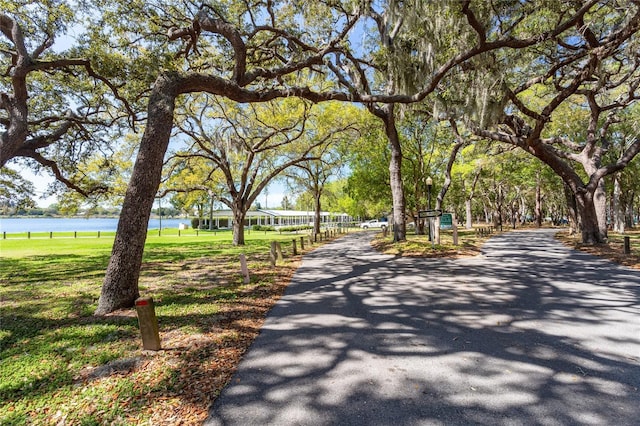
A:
600,205
120,287
591,233
395,173
572,211
239,215
538,207
316,211
618,208
468,214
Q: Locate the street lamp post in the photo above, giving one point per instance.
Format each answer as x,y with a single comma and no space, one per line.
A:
429,185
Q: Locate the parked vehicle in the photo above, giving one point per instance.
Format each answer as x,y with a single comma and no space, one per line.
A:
374,224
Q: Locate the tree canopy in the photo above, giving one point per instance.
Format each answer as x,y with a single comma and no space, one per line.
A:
555,79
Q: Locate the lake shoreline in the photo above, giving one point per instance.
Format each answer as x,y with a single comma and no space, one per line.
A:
12,225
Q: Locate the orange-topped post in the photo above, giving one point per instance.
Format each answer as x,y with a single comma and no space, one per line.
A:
148,323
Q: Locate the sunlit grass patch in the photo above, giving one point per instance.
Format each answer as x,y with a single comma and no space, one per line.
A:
420,246
61,365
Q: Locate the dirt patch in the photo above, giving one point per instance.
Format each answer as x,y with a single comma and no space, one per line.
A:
612,250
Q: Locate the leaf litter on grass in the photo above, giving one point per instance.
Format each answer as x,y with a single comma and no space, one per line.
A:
208,318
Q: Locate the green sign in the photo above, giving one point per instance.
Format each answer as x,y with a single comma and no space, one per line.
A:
446,221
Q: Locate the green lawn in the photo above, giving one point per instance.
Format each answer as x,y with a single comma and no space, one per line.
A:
59,363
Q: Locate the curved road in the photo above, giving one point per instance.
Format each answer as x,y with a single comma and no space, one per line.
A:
529,333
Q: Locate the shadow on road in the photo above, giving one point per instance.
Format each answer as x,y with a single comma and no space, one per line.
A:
528,333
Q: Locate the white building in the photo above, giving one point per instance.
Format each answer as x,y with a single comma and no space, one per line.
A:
279,218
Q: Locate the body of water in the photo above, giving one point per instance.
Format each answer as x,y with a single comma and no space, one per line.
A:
15,225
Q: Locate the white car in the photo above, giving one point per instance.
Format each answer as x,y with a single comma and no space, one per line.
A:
374,224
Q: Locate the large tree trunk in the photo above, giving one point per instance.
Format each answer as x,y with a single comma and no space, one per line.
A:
468,214
629,210
386,113
618,208
120,287
600,206
211,201
238,225
538,208
591,232
316,214
575,222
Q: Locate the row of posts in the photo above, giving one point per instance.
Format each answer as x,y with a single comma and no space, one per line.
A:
145,307
484,231
275,252
75,235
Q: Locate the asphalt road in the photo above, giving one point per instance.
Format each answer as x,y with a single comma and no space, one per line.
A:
529,333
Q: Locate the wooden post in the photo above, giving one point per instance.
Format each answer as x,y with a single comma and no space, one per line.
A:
272,253
280,257
50,234
75,234
244,268
98,234
148,323
301,243
627,245
295,250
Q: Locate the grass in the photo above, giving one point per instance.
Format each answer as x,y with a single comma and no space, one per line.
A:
59,364
469,244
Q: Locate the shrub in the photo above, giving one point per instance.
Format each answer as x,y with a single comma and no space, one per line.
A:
263,228
295,228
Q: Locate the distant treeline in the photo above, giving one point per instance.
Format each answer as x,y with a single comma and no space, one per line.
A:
54,211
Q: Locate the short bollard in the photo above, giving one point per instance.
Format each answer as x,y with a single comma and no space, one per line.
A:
295,250
244,268
272,253
148,323
627,245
